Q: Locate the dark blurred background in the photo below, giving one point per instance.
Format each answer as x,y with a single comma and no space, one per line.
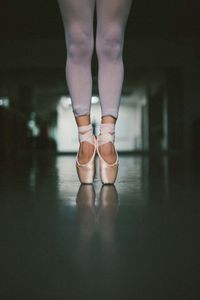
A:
137,239
161,85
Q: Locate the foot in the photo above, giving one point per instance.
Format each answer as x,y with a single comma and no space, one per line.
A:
87,144
106,143
85,152
108,157
85,159
108,152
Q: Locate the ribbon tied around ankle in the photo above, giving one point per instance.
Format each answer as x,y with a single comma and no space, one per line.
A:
107,133
86,134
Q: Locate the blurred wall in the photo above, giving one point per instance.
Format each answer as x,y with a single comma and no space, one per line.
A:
40,63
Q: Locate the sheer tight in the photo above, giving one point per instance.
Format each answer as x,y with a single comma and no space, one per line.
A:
77,16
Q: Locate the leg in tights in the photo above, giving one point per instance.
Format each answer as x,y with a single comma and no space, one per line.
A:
77,16
111,22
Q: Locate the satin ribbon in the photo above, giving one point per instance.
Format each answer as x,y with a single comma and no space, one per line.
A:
107,133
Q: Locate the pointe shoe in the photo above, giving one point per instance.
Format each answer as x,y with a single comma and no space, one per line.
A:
108,172
86,172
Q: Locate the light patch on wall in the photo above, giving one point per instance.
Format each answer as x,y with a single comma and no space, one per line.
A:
35,131
65,101
128,127
5,102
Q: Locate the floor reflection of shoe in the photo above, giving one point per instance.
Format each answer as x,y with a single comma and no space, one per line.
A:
85,195
108,172
108,210
85,200
108,196
86,171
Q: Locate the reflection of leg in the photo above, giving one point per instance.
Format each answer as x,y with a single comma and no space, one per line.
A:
107,212
108,208
86,212
86,209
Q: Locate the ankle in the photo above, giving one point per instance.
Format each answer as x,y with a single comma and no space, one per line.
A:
85,152
108,152
85,148
108,119
107,133
85,133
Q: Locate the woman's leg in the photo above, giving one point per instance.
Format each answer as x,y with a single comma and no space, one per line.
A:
77,16
112,17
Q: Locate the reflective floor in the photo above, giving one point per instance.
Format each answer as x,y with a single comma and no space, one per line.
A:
136,240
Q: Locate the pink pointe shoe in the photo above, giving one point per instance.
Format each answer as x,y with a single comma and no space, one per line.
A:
108,172
86,172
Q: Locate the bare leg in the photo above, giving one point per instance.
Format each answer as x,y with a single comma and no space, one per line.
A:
112,17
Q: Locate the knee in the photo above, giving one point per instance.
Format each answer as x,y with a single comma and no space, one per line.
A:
80,110
110,45
79,45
